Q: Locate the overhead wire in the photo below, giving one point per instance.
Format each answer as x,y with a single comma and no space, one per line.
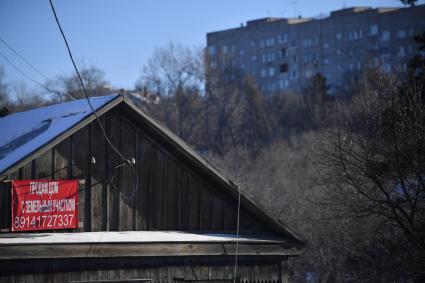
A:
23,59
32,79
235,269
126,160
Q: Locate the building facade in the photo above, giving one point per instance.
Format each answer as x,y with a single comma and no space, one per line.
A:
281,54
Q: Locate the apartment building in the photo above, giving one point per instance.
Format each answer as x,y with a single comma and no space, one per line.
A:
281,54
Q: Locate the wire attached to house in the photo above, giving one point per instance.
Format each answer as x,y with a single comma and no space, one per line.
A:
127,161
235,269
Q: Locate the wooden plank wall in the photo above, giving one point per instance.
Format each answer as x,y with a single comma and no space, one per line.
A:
169,195
155,269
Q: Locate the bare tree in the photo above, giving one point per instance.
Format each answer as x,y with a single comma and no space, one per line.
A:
70,86
374,165
175,73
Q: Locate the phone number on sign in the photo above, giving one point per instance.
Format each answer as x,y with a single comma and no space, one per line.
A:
43,221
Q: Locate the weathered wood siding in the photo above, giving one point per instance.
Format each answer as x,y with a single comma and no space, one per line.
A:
170,195
158,270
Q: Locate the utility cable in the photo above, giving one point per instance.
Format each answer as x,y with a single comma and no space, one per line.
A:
127,161
23,59
235,269
32,79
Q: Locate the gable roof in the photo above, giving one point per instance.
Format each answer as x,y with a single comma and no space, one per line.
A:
24,132
29,134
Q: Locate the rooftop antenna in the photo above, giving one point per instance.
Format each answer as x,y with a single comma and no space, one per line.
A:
294,3
343,4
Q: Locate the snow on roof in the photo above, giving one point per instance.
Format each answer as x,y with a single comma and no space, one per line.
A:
23,133
131,237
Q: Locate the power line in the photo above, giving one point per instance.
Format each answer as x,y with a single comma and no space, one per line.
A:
235,268
23,59
30,78
19,70
127,161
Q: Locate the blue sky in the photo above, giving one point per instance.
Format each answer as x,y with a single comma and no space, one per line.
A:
119,36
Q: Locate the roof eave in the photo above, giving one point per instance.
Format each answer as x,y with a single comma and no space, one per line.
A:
202,163
60,137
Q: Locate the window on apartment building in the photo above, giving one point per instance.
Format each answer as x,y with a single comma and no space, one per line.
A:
309,57
373,29
374,45
270,87
212,49
386,67
411,32
293,43
283,84
401,51
253,58
376,62
224,49
404,67
261,43
326,61
373,63
283,53
252,43
267,57
233,48
385,35
271,72
294,74
263,73
213,64
401,33
338,35
325,45
355,35
307,42
241,52
338,51
359,66
283,38
308,73
294,59
269,41
283,68
384,51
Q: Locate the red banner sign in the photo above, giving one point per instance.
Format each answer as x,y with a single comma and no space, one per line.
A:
44,204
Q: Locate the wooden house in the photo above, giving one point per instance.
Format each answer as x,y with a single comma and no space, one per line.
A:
166,215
